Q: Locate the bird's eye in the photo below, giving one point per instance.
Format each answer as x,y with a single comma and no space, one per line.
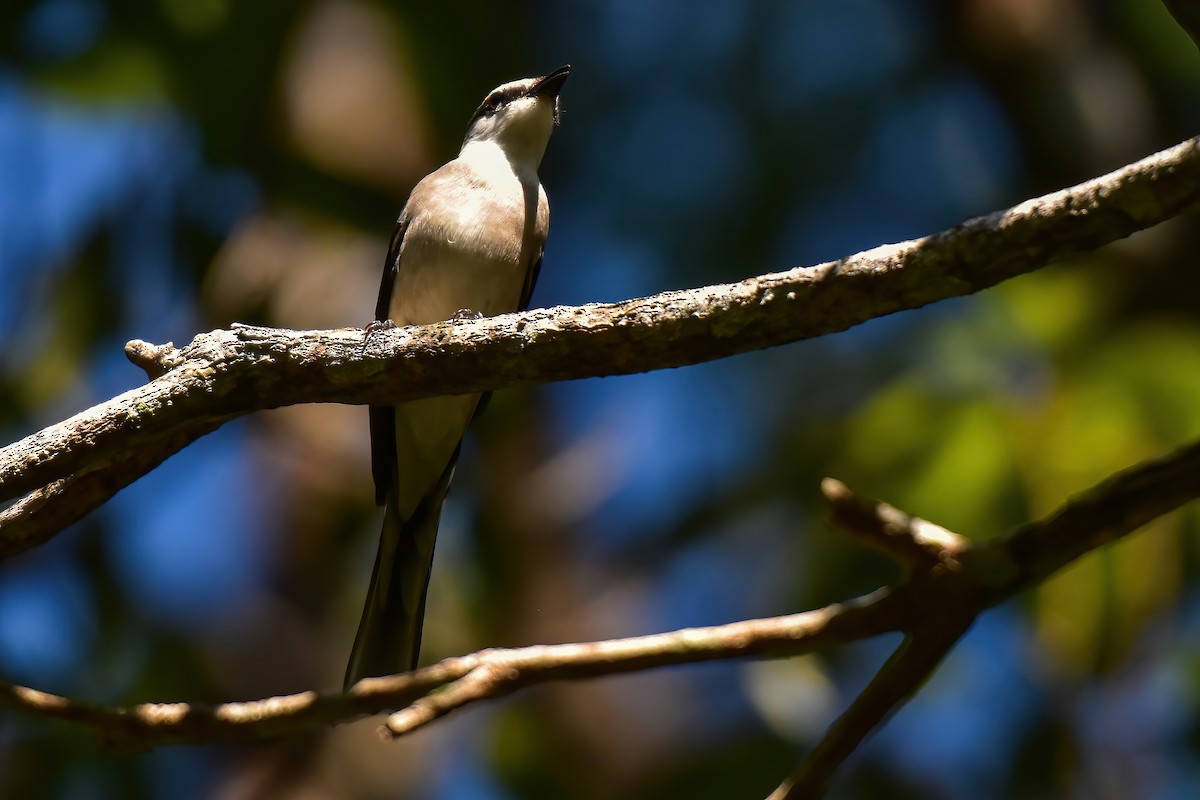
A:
493,101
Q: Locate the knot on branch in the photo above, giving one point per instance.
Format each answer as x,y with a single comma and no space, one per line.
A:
154,359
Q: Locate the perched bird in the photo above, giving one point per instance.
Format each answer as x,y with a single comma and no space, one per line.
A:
469,242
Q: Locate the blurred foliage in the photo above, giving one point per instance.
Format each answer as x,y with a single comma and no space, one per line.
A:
170,166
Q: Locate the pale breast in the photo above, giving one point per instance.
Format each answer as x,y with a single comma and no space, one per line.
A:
474,231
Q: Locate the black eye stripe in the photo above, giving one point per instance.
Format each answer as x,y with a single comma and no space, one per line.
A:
497,100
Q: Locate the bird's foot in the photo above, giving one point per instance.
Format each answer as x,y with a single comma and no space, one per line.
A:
379,325
464,314
375,325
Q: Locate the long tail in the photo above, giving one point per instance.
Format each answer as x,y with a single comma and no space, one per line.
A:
389,634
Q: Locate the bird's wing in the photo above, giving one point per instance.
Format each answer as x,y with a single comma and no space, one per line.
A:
383,418
391,266
531,276
389,634
541,221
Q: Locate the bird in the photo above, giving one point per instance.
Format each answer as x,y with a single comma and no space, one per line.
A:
468,243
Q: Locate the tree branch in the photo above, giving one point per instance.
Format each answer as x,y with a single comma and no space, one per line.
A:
935,605
912,541
172,723
227,373
1121,503
961,580
897,680
44,512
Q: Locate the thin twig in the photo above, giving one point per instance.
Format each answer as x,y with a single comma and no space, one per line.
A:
486,673
912,541
1103,513
490,680
897,680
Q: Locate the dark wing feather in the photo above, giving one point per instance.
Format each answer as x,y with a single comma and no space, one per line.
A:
383,418
531,277
391,266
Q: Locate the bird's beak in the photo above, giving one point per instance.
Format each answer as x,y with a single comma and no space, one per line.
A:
550,86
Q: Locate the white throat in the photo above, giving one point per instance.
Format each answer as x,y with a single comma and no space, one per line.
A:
488,157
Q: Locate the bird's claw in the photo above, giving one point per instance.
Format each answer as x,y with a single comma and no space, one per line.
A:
379,325
375,325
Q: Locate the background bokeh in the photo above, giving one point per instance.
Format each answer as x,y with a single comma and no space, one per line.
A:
170,166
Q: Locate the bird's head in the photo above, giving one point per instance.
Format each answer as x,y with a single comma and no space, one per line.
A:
520,116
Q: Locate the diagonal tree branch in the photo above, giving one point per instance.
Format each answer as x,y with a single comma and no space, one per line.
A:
227,373
897,680
911,541
953,582
44,512
1120,504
